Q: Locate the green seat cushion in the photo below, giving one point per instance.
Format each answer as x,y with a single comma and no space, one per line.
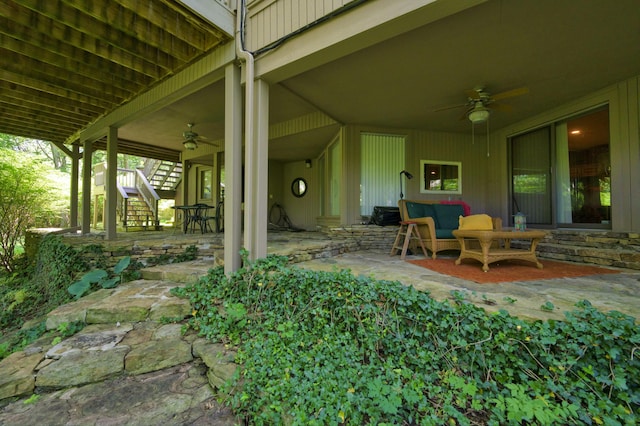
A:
444,234
421,210
448,215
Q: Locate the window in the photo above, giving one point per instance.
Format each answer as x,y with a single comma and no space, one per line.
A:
335,177
205,181
382,160
440,177
561,174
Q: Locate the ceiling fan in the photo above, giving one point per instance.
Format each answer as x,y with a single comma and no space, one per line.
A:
480,103
191,138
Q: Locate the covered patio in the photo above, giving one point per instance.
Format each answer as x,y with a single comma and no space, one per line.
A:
321,251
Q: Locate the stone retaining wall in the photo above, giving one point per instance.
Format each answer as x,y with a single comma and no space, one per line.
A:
365,237
606,248
617,249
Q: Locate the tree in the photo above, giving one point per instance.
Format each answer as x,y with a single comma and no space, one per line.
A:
23,199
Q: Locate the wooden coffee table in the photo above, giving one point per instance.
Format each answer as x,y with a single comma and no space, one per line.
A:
489,252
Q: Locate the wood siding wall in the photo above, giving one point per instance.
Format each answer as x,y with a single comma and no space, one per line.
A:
270,20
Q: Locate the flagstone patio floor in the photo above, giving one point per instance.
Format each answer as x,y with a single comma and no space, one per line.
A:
141,371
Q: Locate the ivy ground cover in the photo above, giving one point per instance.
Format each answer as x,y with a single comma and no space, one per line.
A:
334,348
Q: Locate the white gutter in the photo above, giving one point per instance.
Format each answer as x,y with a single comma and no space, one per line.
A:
248,70
249,170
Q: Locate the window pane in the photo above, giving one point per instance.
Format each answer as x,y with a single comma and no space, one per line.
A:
531,184
589,167
335,177
382,160
205,184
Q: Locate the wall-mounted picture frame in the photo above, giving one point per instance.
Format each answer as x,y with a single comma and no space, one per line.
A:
440,177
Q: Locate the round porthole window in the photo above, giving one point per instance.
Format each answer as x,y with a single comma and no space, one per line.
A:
299,187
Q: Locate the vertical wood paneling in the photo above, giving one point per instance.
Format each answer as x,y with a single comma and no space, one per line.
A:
382,159
451,147
270,21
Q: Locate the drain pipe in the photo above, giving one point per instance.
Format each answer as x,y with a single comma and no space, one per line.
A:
249,73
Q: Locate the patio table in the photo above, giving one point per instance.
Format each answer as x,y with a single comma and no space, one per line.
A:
489,253
196,214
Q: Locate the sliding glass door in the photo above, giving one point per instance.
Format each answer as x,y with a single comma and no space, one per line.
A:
561,173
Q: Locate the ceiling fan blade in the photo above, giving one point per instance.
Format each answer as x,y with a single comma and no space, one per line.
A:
501,107
465,115
208,143
450,107
510,93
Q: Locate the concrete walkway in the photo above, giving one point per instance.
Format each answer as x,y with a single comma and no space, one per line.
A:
129,367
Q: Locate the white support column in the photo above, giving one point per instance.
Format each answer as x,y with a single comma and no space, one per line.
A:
111,195
86,186
233,169
258,175
73,196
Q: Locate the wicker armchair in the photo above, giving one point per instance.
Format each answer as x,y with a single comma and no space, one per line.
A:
435,228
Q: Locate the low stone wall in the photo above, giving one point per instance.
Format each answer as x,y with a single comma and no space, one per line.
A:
143,250
606,248
603,248
364,237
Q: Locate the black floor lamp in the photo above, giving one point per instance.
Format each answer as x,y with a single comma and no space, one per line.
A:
409,176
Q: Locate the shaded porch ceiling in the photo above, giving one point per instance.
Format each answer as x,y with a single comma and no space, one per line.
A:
559,50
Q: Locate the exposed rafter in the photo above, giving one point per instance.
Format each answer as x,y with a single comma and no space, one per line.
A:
66,63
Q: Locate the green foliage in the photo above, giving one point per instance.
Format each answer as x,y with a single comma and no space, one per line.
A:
40,287
190,253
23,196
99,278
547,306
332,348
18,341
32,399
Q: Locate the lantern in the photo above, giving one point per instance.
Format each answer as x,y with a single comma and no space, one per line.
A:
520,221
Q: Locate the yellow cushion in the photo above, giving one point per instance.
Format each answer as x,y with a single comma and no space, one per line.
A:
476,222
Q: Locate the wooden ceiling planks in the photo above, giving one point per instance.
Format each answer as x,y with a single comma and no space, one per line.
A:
65,63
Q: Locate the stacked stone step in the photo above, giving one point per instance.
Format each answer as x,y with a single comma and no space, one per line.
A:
125,335
605,248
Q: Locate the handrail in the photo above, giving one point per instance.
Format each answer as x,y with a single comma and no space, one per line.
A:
147,191
122,191
126,177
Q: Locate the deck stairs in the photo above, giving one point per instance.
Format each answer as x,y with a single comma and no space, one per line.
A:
164,176
140,190
139,215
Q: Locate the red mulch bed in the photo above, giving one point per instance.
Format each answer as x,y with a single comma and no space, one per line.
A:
510,270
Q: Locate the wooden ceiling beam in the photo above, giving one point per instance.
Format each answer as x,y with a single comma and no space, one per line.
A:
26,130
21,114
141,150
76,74
133,21
90,45
44,86
178,22
47,100
97,31
57,110
24,40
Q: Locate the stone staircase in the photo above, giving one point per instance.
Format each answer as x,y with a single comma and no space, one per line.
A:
125,337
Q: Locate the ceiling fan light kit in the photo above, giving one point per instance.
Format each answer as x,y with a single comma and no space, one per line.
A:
190,144
479,114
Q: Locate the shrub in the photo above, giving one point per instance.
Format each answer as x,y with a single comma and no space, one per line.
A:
23,197
333,348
